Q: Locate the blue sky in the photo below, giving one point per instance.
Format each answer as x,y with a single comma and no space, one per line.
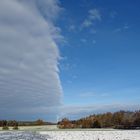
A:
70,59
101,62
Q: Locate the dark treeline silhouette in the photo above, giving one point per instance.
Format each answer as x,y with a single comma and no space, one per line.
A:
117,120
32,123
5,124
12,123
8,123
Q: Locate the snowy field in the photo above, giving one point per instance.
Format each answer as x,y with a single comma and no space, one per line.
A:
93,135
35,128
71,135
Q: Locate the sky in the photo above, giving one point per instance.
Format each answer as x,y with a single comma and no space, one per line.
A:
70,59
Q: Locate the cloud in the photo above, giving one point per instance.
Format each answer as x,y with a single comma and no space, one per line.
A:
72,28
76,112
83,40
29,55
94,41
122,29
93,16
93,94
93,31
113,14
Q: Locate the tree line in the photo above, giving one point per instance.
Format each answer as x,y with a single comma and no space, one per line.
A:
5,124
117,120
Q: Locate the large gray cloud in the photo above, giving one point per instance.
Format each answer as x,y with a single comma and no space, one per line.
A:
29,75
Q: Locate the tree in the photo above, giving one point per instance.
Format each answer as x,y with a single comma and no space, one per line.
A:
96,124
118,117
39,122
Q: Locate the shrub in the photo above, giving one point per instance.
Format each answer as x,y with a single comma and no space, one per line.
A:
15,128
5,128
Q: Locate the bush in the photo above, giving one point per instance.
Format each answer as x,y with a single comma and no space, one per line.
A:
5,128
15,128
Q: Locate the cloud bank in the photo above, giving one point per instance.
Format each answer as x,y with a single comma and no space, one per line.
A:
79,111
29,55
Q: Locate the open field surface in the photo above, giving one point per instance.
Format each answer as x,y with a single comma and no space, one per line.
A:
93,135
71,135
35,128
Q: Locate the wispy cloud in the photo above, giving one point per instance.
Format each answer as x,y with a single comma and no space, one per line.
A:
93,94
94,41
29,55
93,15
121,29
72,28
113,14
78,111
83,40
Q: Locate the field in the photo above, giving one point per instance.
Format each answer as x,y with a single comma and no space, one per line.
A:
71,135
35,128
93,135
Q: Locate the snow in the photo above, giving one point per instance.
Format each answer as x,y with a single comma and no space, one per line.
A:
21,136
93,135
72,135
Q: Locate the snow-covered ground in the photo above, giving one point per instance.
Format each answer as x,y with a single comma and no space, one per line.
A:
15,135
93,135
71,135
